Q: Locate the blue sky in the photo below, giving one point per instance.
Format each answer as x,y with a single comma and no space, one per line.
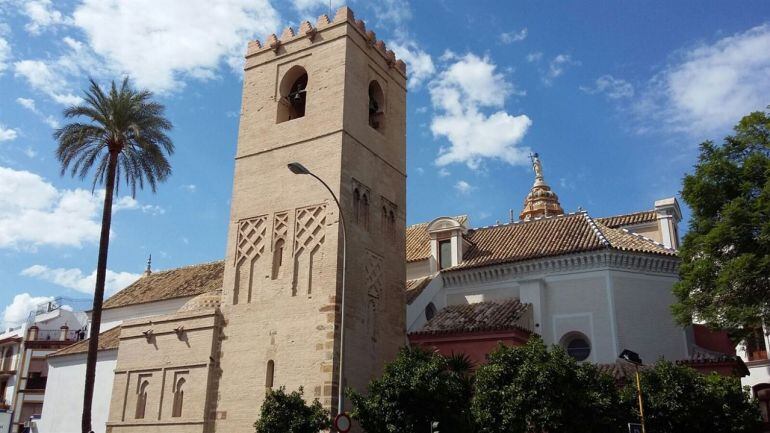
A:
614,96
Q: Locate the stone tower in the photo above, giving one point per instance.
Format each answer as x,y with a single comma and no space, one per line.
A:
332,98
541,200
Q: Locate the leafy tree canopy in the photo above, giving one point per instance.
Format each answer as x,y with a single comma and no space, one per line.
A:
725,270
677,399
416,389
533,389
288,413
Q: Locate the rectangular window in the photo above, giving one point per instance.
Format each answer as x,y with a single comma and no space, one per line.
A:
445,254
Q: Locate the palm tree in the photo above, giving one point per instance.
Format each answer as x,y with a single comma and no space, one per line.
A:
124,136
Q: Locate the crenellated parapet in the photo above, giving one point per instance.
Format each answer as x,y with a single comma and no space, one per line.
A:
309,32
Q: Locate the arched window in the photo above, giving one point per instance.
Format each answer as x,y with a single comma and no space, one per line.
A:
357,205
269,374
384,221
365,211
8,359
577,345
293,94
430,311
376,106
176,411
141,399
392,224
277,258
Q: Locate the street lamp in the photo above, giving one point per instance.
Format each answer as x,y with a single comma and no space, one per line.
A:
298,168
633,358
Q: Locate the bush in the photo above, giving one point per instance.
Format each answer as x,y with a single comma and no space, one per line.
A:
533,389
288,413
678,399
416,389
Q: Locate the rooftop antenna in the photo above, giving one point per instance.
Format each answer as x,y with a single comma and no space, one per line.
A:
510,215
148,270
330,7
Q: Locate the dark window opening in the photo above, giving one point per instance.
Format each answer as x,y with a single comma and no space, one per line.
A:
176,412
293,95
445,254
762,394
141,400
430,311
577,346
756,350
376,106
269,374
277,259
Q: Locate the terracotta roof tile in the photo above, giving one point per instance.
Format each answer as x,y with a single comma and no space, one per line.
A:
524,240
482,316
624,240
629,219
418,240
175,283
415,287
107,340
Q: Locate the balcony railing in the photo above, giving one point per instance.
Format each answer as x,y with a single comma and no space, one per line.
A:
56,335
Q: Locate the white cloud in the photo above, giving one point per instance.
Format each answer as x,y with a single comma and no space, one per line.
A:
614,88
75,278
511,37
443,172
5,54
41,14
34,213
463,187
557,66
189,187
710,87
419,63
306,7
7,134
393,12
129,203
459,93
160,42
534,57
17,311
47,79
30,105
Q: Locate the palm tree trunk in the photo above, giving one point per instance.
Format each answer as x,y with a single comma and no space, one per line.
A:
101,274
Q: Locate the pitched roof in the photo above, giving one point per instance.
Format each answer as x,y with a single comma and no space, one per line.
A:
174,283
629,219
107,340
418,240
415,287
481,316
548,237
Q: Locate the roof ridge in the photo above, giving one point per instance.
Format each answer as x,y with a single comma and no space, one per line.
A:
540,218
187,266
645,238
425,223
597,230
626,214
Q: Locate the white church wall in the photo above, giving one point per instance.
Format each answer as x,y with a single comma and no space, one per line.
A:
578,303
645,323
63,404
432,293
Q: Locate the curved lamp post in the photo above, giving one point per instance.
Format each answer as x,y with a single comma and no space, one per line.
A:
298,168
633,358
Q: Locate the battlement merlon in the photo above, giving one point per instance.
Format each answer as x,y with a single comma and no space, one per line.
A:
307,35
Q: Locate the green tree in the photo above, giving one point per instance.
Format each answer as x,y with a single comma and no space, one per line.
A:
417,388
678,399
725,270
123,136
288,413
531,389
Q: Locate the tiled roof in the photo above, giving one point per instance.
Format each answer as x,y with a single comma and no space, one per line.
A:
629,219
415,287
548,237
107,340
175,283
481,316
418,240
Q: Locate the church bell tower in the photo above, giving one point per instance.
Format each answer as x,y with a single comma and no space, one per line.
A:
332,98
